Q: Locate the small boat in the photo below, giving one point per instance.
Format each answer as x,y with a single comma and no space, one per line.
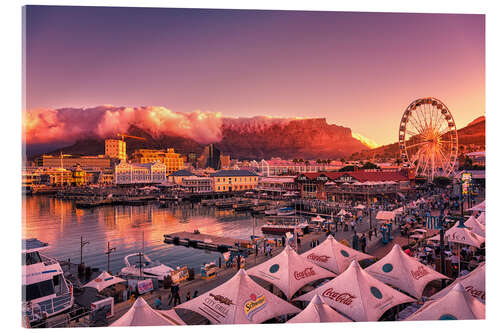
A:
285,211
140,265
45,290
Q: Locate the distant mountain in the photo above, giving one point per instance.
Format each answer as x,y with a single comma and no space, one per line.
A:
474,133
245,139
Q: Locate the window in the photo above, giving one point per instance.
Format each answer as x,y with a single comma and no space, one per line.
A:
31,258
37,290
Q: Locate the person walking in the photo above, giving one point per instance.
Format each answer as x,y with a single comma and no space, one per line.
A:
175,295
158,303
363,243
370,232
188,295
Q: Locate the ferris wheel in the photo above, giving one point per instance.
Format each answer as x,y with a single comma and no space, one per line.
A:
428,138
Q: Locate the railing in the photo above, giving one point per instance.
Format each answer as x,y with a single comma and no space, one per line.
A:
47,260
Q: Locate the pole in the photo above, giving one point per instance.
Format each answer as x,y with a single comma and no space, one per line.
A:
82,244
108,253
441,248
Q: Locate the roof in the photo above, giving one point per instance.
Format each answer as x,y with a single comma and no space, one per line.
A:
362,176
182,173
234,173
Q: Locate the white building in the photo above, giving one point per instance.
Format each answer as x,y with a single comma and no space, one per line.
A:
195,184
277,167
130,173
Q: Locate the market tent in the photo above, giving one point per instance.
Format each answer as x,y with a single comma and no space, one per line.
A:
342,212
475,226
457,304
333,255
482,218
104,280
239,301
317,219
404,272
358,295
481,207
385,215
360,206
141,314
318,312
172,316
289,271
461,235
473,283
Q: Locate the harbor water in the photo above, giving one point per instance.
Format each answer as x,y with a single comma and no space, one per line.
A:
59,223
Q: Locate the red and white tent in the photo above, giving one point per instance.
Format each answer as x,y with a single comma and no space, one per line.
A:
457,304
475,226
358,295
333,255
239,301
289,271
474,284
481,207
141,314
404,272
104,280
318,312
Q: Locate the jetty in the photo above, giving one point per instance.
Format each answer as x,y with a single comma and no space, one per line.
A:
207,242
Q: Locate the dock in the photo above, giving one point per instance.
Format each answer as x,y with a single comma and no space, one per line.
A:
208,242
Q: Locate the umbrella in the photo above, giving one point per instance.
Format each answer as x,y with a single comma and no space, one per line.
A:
479,207
318,312
104,280
404,272
457,304
473,283
482,218
289,271
141,314
358,295
461,235
334,255
239,301
342,212
360,206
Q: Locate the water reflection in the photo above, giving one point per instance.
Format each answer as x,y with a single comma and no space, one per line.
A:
60,224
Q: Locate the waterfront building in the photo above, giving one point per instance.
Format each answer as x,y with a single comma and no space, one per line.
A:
71,161
177,176
277,166
196,184
277,185
114,148
172,160
137,173
477,158
365,185
225,161
234,180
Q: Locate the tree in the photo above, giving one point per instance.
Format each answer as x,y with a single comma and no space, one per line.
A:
369,165
318,161
442,181
295,161
347,168
342,160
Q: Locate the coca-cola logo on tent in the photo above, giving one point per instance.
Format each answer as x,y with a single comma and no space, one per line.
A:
304,274
342,298
222,299
316,257
419,273
476,292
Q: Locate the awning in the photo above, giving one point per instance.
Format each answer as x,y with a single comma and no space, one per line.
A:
141,314
104,280
318,312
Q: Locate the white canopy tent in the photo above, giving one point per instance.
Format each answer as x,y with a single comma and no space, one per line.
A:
358,295
481,207
474,284
460,235
457,304
318,312
360,206
333,255
104,280
385,215
239,301
398,210
475,226
482,218
317,219
141,314
404,272
289,271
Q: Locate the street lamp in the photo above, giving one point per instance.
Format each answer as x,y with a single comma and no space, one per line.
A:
110,249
